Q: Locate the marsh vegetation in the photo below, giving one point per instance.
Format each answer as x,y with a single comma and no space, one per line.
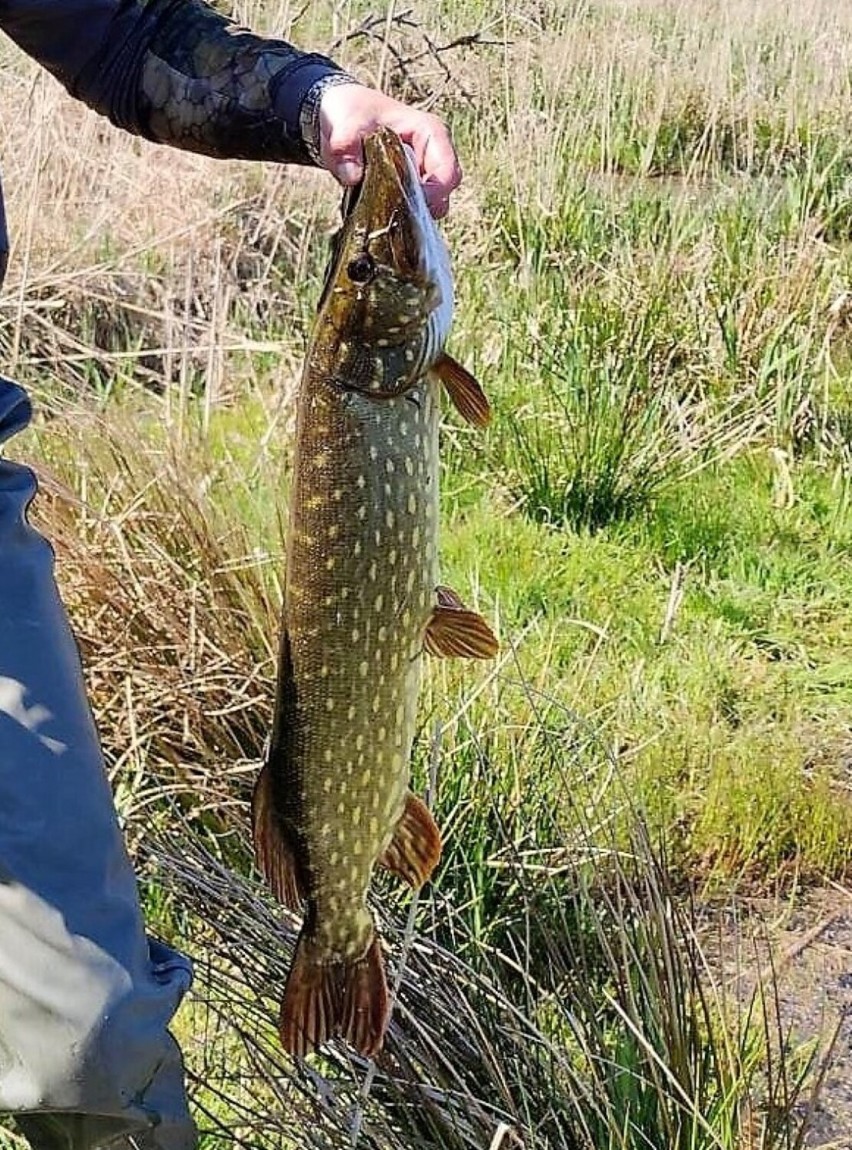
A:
652,255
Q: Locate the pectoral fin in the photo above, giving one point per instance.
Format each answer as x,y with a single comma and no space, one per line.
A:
468,398
275,854
453,630
415,848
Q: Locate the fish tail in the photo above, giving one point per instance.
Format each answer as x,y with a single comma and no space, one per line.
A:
323,999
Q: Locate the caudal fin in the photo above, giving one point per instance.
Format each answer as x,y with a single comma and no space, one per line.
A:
325,999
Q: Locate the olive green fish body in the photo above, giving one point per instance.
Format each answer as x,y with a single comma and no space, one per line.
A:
362,571
362,601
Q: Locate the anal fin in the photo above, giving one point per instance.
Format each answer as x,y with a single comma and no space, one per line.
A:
453,630
415,848
468,398
275,854
324,999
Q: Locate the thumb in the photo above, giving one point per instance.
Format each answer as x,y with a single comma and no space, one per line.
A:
347,170
342,154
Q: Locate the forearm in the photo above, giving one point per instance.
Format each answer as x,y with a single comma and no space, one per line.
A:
174,71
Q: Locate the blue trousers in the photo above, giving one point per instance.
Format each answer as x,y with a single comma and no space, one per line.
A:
86,1057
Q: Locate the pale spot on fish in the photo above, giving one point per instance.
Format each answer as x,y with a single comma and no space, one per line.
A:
411,505
365,778
341,835
329,563
350,714
361,481
374,826
383,634
409,465
415,537
362,512
372,571
394,663
377,799
376,704
380,602
393,555
356,549
329,703
377,535
409,355
324,671
359,743
389,518
326,785
341,809
389,466
382,734
334,857
356,634
320,459
356,816
363,667
327,755
374,454
325,830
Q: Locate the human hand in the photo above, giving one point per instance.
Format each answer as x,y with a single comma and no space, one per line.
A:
348,112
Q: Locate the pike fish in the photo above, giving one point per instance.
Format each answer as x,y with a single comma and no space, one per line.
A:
362,601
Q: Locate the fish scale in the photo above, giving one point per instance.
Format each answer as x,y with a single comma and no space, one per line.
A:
362,601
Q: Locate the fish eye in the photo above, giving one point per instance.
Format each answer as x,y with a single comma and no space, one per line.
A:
362,269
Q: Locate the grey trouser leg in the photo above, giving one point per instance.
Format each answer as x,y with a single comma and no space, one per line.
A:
86,1059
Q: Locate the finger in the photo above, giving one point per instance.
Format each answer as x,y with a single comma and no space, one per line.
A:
439,166
439,204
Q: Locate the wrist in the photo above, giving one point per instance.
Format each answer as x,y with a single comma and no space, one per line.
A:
309,114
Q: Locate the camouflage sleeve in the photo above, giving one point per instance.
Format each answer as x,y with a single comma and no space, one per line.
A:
177,72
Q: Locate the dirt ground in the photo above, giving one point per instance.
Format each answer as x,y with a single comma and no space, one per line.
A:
808,942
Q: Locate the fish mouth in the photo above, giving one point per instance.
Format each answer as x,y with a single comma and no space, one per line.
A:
390,175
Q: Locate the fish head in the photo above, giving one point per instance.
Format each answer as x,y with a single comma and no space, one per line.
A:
387,303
